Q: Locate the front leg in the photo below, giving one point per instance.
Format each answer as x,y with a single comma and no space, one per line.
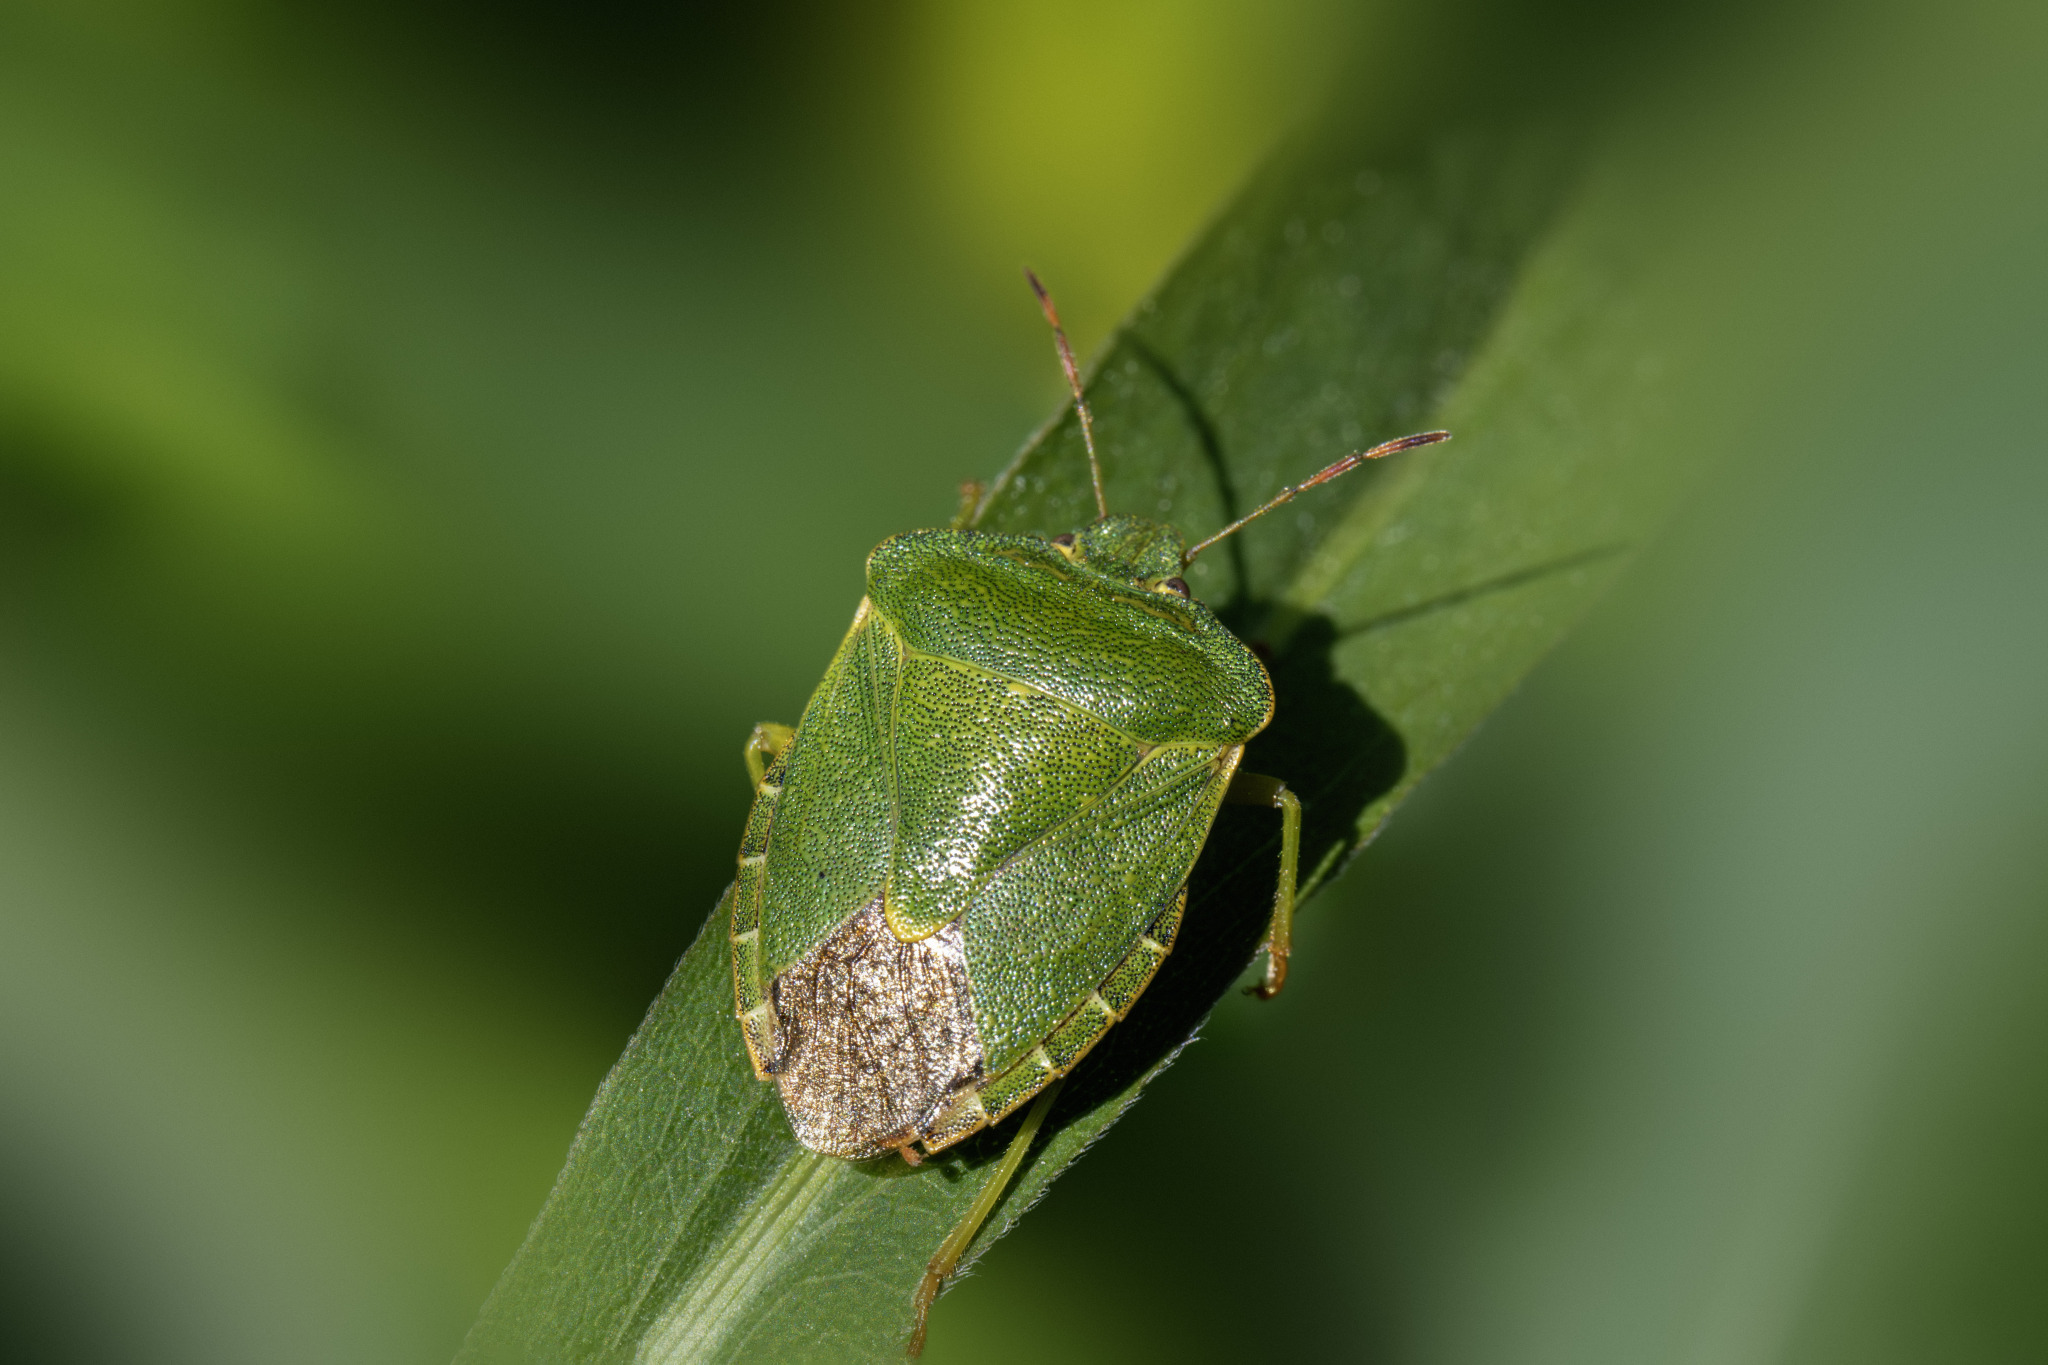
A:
764,746
970,502
1252,789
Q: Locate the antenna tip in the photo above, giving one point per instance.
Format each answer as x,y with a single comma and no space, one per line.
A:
1045,305
1396,446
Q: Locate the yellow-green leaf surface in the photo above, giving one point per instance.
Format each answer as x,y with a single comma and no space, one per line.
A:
1366,283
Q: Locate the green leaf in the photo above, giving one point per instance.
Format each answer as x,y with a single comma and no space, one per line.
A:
1354,292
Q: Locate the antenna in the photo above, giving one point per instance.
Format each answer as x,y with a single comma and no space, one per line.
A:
1343,466
1059,335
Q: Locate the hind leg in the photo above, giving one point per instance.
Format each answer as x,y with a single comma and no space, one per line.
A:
947,1259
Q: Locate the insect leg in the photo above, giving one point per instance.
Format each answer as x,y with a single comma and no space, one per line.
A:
947,1259
764,745
1252,789
970,502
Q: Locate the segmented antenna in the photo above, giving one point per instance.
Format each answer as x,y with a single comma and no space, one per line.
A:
1059,335
1343,466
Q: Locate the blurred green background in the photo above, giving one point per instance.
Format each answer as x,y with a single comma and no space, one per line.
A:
432,434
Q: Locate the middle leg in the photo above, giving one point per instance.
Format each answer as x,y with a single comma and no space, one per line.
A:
1254,789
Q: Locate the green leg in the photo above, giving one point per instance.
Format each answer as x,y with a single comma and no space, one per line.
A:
955,1246
764,745
970,503
1251,789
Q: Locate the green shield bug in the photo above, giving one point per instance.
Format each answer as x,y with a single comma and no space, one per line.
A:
966,861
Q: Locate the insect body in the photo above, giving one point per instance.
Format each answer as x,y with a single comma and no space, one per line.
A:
969,858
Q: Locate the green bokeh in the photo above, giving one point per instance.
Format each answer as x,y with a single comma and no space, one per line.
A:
431,436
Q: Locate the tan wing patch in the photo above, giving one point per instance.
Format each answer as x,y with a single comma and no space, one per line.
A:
879,1036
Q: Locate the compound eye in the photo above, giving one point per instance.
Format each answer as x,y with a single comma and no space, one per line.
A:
1177,586
1065,540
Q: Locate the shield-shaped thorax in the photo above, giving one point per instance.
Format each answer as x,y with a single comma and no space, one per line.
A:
1014,756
